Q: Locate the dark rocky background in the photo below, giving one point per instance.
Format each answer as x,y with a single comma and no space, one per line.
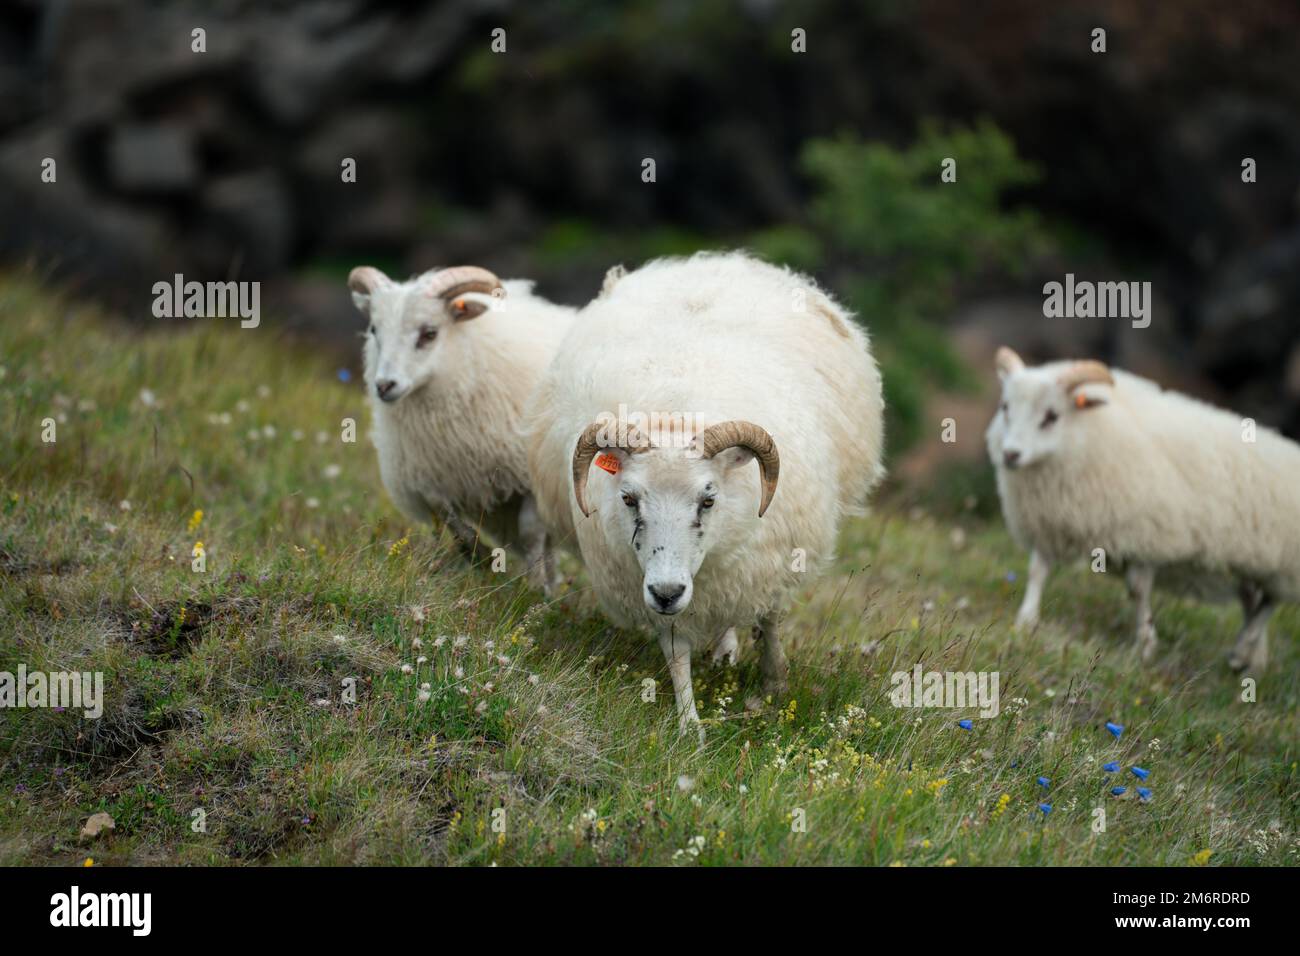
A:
226,164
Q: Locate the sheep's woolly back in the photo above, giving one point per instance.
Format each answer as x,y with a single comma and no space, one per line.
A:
458,442
1158,477
718,337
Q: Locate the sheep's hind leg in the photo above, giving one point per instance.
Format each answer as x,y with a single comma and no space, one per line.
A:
465,534
1251,650
538,556
773,662
726,648
1141,578
1039,569
677,651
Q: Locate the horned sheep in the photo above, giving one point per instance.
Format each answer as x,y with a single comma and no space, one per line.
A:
665,389
450,359
1089,457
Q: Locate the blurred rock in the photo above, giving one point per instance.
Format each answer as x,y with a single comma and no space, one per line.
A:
152,159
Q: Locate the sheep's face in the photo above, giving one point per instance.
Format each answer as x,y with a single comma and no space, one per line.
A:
410,342
670,506
1035,417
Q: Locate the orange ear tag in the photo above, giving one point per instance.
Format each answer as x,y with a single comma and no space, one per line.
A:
607,462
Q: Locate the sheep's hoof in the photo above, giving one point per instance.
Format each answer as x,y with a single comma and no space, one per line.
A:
686,724
1025,622
1254,662
775,688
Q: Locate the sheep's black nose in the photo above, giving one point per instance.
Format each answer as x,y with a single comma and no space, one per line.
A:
1011,458
666,595
384,387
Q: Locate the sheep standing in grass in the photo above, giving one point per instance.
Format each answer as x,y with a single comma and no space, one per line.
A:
450,359
729,373
1088,457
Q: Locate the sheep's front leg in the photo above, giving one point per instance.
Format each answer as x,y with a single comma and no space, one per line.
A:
1141,578
1039,569
677,651
772,661
1251,649
538,556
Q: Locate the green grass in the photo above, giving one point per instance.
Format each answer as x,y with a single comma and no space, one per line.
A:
224,688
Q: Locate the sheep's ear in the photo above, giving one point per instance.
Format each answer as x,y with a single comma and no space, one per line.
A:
734,457
1008,363
466,307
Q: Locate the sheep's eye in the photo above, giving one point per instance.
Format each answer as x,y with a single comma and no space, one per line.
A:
706,502
629,500
371,330
427,334
1049,419
1003,408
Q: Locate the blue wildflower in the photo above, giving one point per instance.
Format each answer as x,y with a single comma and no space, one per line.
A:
1115,729
1118,791
1140,773
1046,808
1110,767
1144,793
966,724
1043,782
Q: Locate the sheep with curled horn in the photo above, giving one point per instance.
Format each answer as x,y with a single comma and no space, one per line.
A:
706,425
1092,460
450,359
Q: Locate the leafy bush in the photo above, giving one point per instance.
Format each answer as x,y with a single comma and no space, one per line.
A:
895,241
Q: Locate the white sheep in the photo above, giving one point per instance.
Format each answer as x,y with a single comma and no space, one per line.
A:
450,359
1089,457
671,382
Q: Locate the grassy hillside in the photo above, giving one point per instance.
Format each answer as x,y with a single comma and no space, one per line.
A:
224,687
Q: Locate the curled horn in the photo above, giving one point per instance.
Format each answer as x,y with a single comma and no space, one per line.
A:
724,435
449,284
364,279
589,445
1085,372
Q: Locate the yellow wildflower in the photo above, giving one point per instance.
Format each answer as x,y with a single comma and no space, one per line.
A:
196,519
1202,858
